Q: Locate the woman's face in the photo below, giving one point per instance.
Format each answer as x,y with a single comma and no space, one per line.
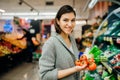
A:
67,23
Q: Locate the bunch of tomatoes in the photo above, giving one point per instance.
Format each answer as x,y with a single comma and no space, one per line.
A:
90,62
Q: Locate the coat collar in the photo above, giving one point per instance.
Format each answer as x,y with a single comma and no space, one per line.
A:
72,42
62,40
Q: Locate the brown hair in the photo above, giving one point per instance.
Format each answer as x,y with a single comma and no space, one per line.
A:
64,9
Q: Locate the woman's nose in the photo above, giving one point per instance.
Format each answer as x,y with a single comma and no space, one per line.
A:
69,23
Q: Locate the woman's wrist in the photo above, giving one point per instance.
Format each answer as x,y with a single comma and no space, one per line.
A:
79,68
76,68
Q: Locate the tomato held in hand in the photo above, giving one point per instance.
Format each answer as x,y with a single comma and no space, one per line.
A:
83,57
92,66
83,63
77,63
91,60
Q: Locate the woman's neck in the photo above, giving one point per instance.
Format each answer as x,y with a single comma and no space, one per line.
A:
66,39
65,36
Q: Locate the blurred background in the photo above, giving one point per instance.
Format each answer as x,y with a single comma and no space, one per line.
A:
26,24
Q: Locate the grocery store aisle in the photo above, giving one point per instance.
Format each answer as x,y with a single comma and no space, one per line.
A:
24,71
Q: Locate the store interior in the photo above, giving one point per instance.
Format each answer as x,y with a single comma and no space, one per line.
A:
97,34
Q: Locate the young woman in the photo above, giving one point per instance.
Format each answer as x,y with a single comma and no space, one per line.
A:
60,51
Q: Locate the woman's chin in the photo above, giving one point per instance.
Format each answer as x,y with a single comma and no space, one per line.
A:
68,32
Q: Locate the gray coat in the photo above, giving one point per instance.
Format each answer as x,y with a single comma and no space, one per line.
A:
56,57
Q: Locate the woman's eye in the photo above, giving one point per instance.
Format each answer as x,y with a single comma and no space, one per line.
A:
65,20
73,20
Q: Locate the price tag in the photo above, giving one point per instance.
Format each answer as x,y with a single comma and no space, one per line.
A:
118,40
8,26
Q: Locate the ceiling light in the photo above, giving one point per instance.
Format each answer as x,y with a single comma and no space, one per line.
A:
29,15
32,8
19,14
1,10
48,13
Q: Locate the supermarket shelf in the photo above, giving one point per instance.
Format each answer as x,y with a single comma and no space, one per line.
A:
107,66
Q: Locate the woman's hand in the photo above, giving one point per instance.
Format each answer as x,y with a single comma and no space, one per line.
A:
79,68
69,71
35,41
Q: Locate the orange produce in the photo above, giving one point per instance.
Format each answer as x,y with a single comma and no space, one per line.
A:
77,63
92,66
83,57
83,63
91,60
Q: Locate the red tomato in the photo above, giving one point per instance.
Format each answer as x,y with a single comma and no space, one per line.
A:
92,66
77,63
91,60
83,63
83,57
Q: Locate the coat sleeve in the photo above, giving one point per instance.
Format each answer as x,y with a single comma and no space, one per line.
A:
47,68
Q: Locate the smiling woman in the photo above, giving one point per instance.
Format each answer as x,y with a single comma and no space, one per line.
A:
67,22
59,52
